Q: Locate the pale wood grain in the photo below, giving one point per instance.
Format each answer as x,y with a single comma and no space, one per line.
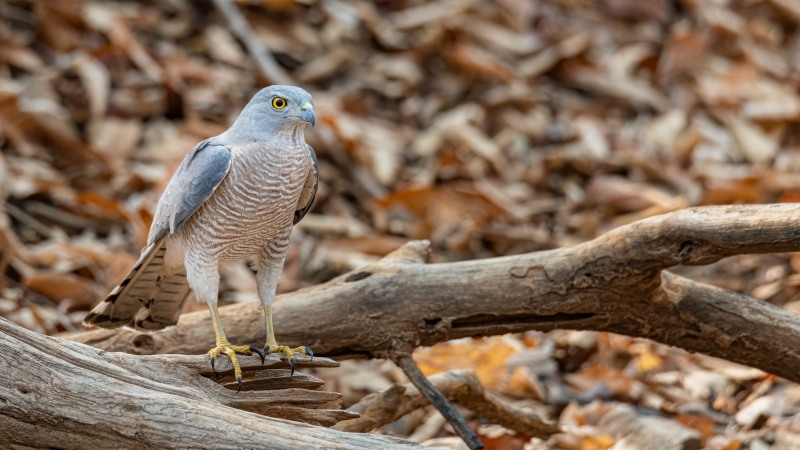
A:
61,394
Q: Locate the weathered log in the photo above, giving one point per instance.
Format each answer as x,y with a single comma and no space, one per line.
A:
614,283
61,394
461,386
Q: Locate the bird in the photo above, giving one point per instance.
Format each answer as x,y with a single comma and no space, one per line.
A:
235,196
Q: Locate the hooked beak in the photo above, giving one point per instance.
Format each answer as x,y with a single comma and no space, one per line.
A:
307,113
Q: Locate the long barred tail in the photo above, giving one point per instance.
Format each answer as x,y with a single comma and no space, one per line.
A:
151,297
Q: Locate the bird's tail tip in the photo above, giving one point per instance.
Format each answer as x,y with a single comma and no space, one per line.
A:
103,319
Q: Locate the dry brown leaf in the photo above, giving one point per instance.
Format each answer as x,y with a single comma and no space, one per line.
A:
702,424
59,287
476,61
774,108
684,49
546,59
427,13
104,18
757,146
116,139
19,56
624,195
748,190
60,22
97,83
659,10
488,358
222,46
418,212
495,437
378,245
633,92
523,384
790,7
734,444
601,442
647,361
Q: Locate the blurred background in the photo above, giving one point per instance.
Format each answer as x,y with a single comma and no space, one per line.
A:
490,128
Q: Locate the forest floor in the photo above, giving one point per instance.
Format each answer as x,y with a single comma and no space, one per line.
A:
490,128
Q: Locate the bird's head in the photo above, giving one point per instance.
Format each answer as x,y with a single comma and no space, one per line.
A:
284,105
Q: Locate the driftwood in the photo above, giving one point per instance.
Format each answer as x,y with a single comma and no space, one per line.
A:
60,394
462,386
614,283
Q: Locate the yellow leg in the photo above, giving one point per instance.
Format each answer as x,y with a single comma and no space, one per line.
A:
223,346
272,345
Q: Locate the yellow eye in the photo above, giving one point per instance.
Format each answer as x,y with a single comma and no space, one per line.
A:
278,103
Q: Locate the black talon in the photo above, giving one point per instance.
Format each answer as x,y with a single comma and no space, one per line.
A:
310,352
212,363
239,379
266,349
255,349
291,363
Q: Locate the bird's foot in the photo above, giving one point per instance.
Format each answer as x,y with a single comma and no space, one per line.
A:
231,351
288,351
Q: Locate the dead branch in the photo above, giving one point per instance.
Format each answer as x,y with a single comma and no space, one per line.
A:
61,394
614,283
460,386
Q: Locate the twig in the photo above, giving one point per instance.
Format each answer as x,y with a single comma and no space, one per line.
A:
454,418
461,386
266,63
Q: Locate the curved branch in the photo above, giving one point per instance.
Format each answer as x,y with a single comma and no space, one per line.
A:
613,283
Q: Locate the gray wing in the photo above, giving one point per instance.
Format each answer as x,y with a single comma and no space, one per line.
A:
198,176
309,190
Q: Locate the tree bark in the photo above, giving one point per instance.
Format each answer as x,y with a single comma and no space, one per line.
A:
614,283
60,394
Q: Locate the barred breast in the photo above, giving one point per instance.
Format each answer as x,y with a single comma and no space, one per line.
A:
253,205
